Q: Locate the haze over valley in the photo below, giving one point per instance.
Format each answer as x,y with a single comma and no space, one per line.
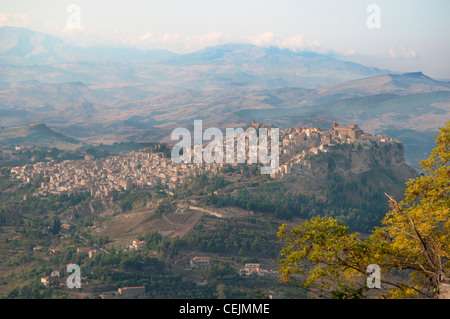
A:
107,95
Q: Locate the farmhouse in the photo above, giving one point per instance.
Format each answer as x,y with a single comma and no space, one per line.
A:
200,262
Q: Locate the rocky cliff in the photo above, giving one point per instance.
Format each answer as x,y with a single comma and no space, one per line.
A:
367,164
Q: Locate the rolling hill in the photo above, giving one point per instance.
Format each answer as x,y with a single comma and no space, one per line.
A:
36,134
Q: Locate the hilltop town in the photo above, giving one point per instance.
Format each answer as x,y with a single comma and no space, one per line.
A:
145,169
194,220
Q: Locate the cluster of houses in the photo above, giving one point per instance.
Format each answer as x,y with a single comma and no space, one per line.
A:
300,143
56,278
250,269
145,168
135,170
53,278
253,269
99,177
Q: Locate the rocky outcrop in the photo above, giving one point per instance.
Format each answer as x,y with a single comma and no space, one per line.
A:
93,207
362,161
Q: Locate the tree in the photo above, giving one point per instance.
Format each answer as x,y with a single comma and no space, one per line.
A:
419,226
322,256
412,247
56,226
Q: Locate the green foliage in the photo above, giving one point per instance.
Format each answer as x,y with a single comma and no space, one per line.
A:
319,255
153,239
219,270
419,226
233,239
129,201
13,207
56,226
413,240
164,207
361,215
35,290
201,184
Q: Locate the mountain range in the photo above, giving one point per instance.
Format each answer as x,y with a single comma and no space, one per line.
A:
231,66
106,95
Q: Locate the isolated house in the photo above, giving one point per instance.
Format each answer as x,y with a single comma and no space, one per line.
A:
55,251
92,253
45,280
65,226
131,291
83,249
199,262
137,244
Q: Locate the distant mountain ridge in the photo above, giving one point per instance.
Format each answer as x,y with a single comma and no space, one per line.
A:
398,84
229,66
22,46
404,83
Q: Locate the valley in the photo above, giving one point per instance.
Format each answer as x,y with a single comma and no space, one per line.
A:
165,214
87,176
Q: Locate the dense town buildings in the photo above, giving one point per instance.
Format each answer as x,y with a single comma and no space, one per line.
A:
144,168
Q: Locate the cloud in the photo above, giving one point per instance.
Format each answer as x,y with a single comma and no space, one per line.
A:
264,39
294,43
151,40
402,52
297,42
178,42
189,43
14,20
349,52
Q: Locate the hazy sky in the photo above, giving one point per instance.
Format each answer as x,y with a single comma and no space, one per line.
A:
412,35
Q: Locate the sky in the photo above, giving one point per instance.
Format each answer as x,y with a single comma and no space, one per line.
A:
400,35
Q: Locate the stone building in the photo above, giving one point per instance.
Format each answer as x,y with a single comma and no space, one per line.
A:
352,131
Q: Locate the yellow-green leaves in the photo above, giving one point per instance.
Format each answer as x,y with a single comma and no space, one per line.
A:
317,250
415,237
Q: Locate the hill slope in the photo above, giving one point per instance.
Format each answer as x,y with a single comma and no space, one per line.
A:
36,134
